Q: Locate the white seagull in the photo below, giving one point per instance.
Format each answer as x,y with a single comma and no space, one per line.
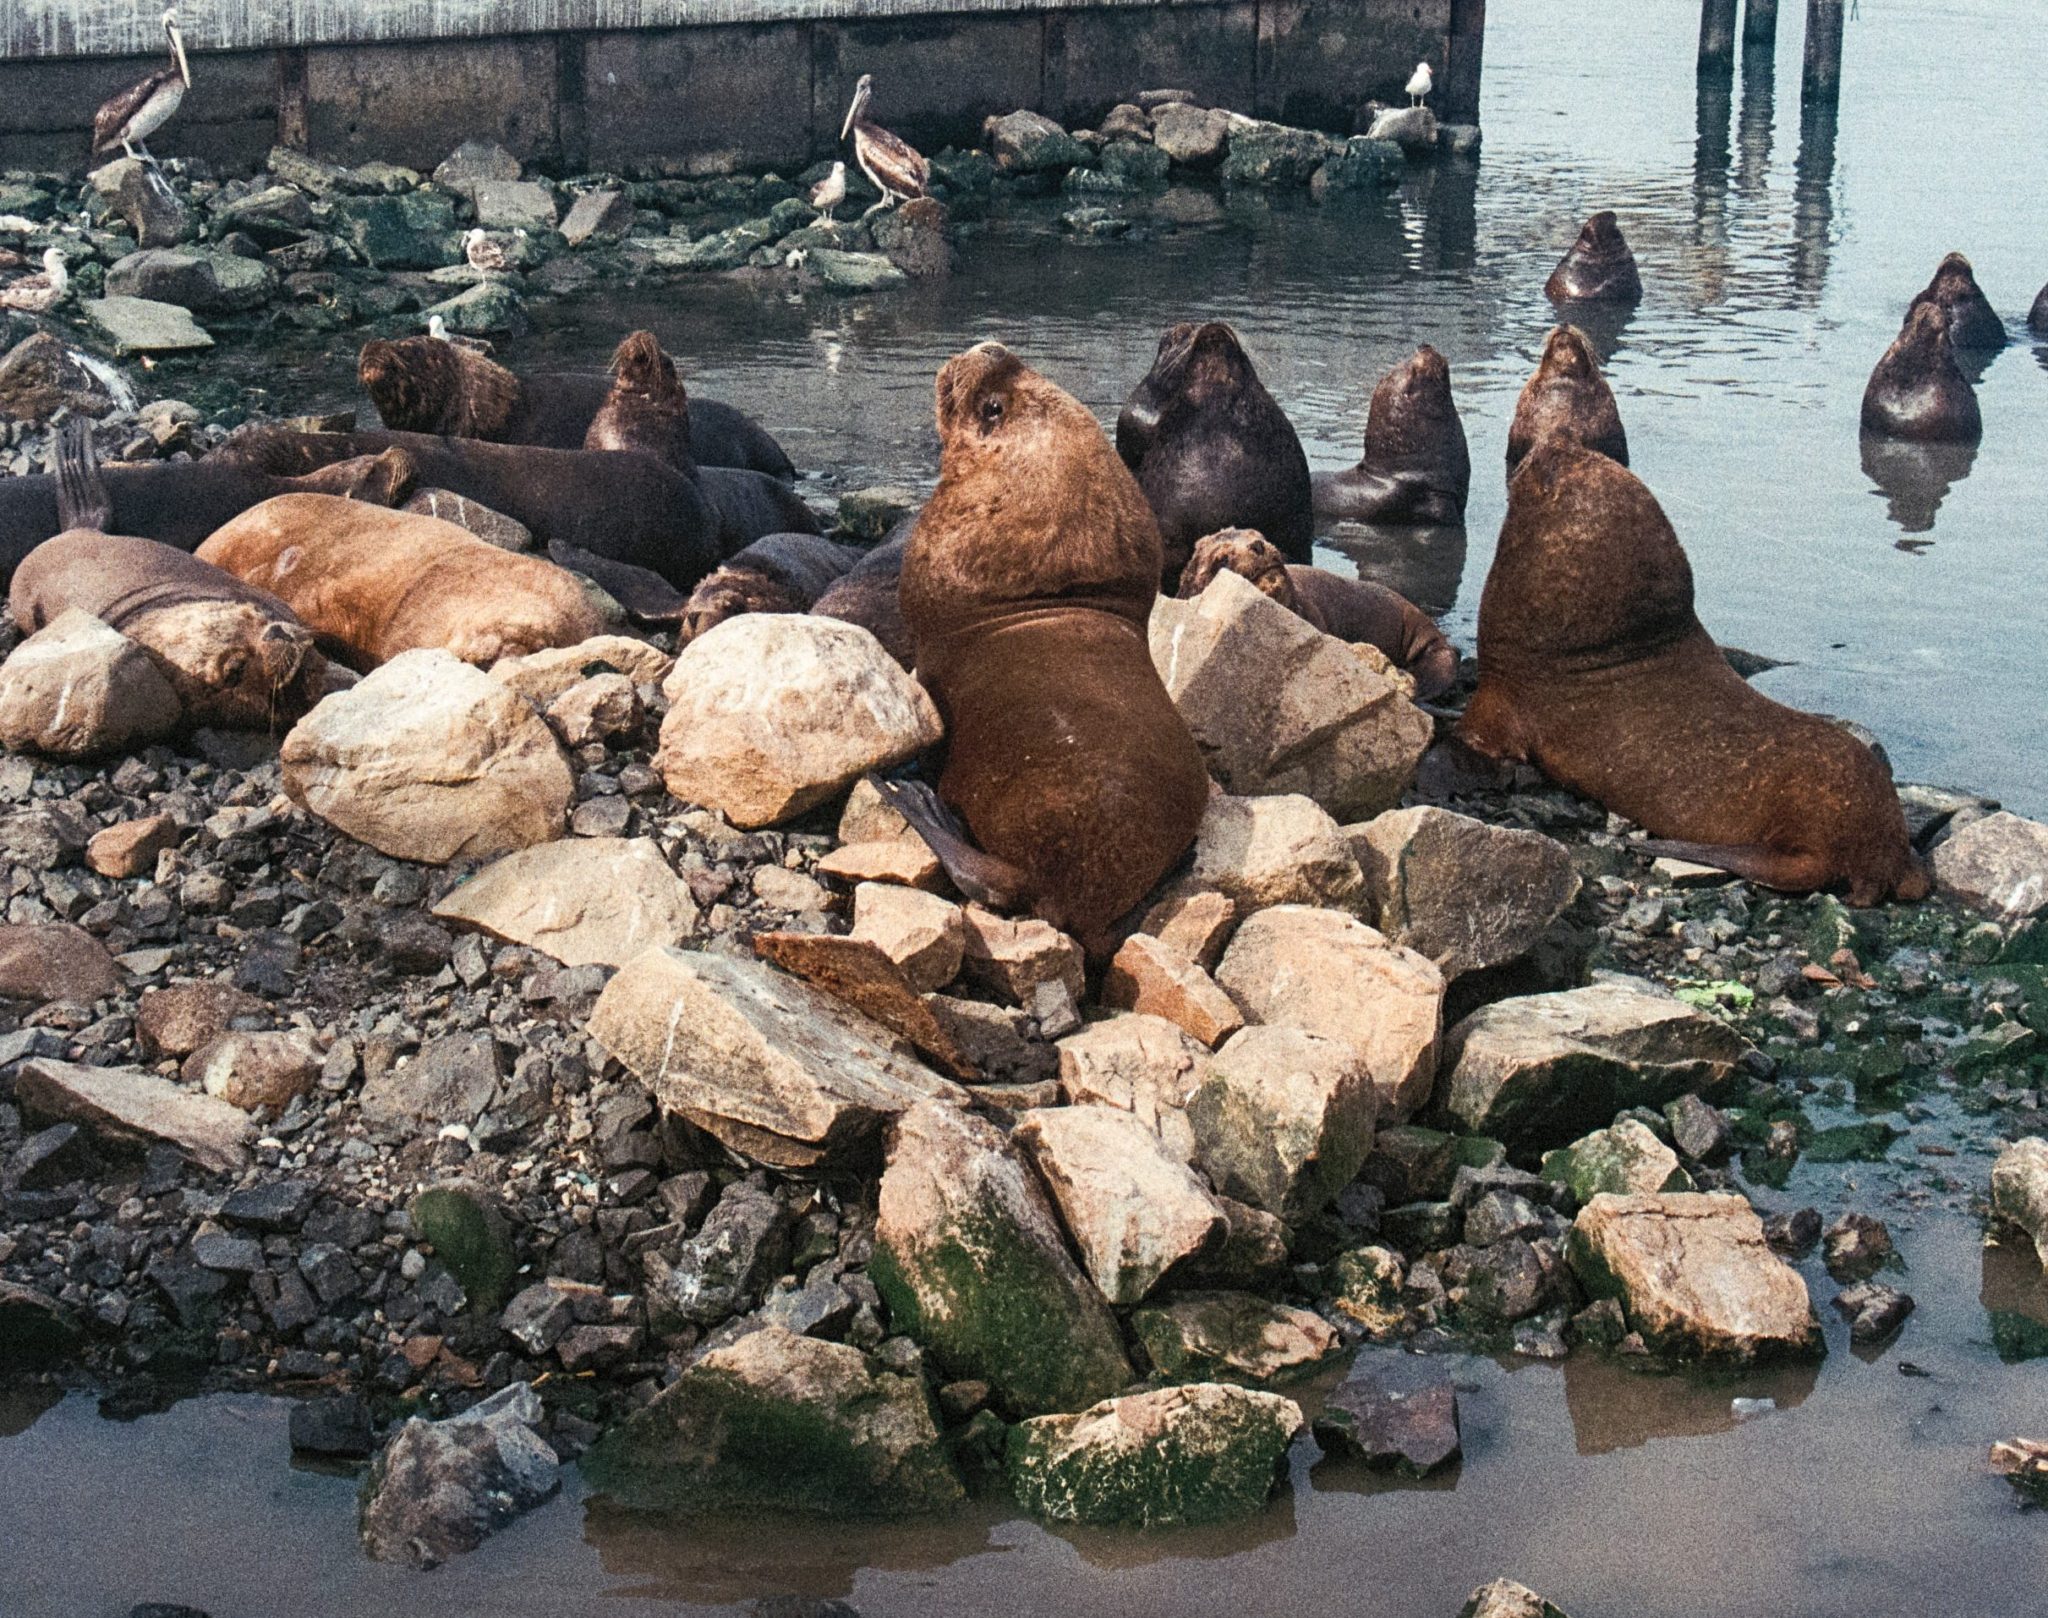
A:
829,192
1420,83
39,294
482,253
130,118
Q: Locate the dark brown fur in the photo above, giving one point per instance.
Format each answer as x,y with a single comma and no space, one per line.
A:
1598,267
1917,391
647,409
1972,322
781,573
1416,466
1567,399
870,595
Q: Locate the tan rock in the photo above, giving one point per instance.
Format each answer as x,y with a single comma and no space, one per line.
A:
1330,974
1284,1119
870,818
127,1105
1277,850
76,688
1154,978
920,932
856,971
1232,1336
543,676
596,709
1197,922
1146,1065
907,862
1013,957
178,1020
2019,1191
53,960
584,900
254,1070
1194,137
1998,863
130,848
793,892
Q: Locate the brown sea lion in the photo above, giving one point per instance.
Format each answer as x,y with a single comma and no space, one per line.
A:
1027,585
646,409
1972,322
1416,467
781,573
1597,268
1593,666
1211,448
1567,399
870,595
1917,392
425,385
372,583
1356,611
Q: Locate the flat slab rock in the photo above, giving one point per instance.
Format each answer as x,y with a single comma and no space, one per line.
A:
1232,1337
583,901
129,1105
1394,1410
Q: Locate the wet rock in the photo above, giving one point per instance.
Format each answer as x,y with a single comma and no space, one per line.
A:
129,848
441,1488
1506,1599
123,1104
177,1021
1694,1276
486,309
1013,957
1231,1336
1365,1286
1136,1211
450,1081
1411,1164
1263,154
472,161
1328,973
1145,1065
587,900
40,376
917,237
1506,1281
544,676
1539,1070
53,960
776,1421
144,199
726,1267
1699,1130
274,216
1856,1247
1623,1159
1362,163
1150,977
1465,894
411,232
76,688
853,273
1273,850
142,326
1277,706
1793,1235
1394,1411
604,216
513,205
1998,863
1192,137
1205,1453
923,934
207,283
773,713
2019,1191
1413,129
971,1261
429,759
36,1331
337,1427
468,1232
254,1070
1874,1311
1025,142
1283,1119
2023,1462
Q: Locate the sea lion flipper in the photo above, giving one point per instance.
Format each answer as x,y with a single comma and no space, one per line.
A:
82,498
981,876
645,594
1753,862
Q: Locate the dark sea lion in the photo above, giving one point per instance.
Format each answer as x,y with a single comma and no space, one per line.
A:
1567,399
1917,392
1211,448
1027,585
646,408
425,385
2037,317
1598,267
781,573
1416,467
372,583
1356,611
1972,322
1594,667
870,595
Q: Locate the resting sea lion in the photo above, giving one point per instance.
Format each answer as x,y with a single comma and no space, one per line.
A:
646,408
1212,449
373,583
1027,585
1972,322
1917,391
1569,400
782,573
1416,467
1593,666
1356,611
870,595
1597,268
425,385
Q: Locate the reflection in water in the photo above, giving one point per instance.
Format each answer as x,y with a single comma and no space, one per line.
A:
1759,120
1423,564
1915,478
1118,1549
22,1405
1813,197
1715,102
2014,1293
1614,1407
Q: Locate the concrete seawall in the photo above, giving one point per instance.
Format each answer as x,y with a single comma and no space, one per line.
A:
704,84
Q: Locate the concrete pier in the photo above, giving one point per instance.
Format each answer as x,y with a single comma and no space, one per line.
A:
702,84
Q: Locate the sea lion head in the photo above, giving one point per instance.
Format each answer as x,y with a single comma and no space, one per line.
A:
1598,267
1567,399
1245,552
731,592
424,385
235,663
1413,417
384,479
1212,366
1972,322
1568,356
1601,237
648,408
1137,425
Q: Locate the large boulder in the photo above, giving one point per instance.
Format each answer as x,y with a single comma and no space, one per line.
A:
140,194
583,901
127,1105
54,960
1413,129
604,215
1398,1411
1284,1119
513,205
1281,849
76,688
1025,142
1694,1275
2019,1191
1625,1158
207,283
1540,1070
430,759
440,1488
1231,1337
1278,706
1192,137
1328,973
971,1260
1999,863
411,232
770,714
780,1071
144,326
1207,1452
1266,154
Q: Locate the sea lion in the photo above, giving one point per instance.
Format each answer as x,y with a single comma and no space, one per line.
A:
870,595
1027,585
1918,392
425,385
1356,611
1416,467
1597,268
1211,448
1972,322
1594,667
2037,317
781,573
372,583
646,408
1567,399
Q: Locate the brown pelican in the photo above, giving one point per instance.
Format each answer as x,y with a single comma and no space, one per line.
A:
483,253
898,169
38,294
1420,83
829,192
130,118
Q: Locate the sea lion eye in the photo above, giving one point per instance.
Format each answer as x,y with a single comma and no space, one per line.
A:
991,412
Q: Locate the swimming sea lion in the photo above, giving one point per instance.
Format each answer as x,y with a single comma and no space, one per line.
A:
1597,268
1416,467
1567,399
1211,448
372,583
425,385
782,573
1027,585
1356,611
2037,317
1917,391
1593,666
1972,322
870,595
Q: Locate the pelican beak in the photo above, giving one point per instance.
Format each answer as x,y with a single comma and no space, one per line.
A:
860,100
178,49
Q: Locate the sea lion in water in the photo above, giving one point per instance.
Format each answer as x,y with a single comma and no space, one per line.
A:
426,385
2037,317
1917,391
870,595
1593,666
1211,448
1027,585
1417,467
1597,268
372,583
782,573
1972,322
1356,611
1567,399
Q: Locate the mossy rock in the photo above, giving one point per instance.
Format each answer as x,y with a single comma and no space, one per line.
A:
469,1236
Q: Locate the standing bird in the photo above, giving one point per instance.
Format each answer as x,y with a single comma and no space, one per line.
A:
437,328
829,192
1420,83
483,253
130,118
898,169
38,294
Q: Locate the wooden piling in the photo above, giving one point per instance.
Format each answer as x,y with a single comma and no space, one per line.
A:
1717,36
1822,80
1760,22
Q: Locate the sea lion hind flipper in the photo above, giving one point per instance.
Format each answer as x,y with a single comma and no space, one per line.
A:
1780,868
980,876
82,498
646,595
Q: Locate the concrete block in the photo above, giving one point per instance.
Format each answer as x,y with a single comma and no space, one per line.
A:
1095,58
414,103
714,97
936,78
1320,61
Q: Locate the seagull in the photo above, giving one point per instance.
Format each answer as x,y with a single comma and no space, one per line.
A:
437,328
130,118
483,253
829,192
898,169
1420,83
39,294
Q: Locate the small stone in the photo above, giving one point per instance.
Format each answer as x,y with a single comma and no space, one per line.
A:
1283,1119
923,934
1197,923
1274,850
1148,1066
513,204
451,1081
254,1070
53,960
2019,1191
177,1021
130,848
140,326
1151,977
1699,1130
908,864
1506,1599
1793,1235
545,676
1874,1311
1856,1247
1231,1336
128,1105
1624,1159
592,900
1394,1411
604,215
1014,956
789,891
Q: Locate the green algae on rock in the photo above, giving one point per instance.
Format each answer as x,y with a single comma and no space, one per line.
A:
1623,1158
468,1234
1232,1336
